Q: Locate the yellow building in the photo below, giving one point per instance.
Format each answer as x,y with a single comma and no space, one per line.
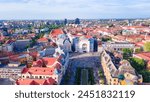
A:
112,71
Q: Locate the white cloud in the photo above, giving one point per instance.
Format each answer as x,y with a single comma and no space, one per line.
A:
60,9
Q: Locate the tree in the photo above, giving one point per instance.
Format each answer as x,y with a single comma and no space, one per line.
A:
28,46
137,50
138,64
145,75
147,47
127,53
101,73
33,41
121,77
106,39
102,81
140,67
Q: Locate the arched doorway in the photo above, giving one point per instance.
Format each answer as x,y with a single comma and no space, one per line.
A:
84,47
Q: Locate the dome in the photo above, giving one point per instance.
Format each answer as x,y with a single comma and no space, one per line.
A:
121,77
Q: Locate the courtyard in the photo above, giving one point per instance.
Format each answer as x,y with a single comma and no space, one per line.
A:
82,60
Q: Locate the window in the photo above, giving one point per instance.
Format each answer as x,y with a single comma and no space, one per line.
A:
84,47
36,77
32,77
40,77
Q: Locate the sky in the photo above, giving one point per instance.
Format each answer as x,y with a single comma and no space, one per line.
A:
71,9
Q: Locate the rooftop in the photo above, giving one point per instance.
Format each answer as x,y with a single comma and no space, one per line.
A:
43,40
49,81
144,55
38,71
115,60
56,32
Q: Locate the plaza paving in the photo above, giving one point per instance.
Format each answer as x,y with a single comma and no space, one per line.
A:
83,60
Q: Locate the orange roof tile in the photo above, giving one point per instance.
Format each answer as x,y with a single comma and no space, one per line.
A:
50,61
144,55
38,71
139,44
56,32
38,63
49,81
43,40
88,36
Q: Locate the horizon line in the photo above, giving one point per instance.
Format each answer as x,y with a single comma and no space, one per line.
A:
75,18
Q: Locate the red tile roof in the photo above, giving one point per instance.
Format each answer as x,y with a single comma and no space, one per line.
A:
43,40
38,63
51,61
88,36
140,44
133,27
48,61
144,55
56,32
49,81
38,71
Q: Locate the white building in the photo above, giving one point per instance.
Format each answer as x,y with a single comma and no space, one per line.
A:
64,42
12,70
83,44
117,46
7,47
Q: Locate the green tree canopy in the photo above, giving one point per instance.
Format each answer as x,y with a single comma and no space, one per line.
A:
147,47
138,50
127,53
106,39
146,75
121,77
138,64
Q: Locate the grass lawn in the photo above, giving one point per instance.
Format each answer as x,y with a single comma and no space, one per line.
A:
84,76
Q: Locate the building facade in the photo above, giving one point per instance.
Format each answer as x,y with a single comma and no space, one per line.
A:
113,72
117,46
12,70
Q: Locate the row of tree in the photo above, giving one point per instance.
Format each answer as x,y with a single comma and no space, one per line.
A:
127,53
140,67
138,64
